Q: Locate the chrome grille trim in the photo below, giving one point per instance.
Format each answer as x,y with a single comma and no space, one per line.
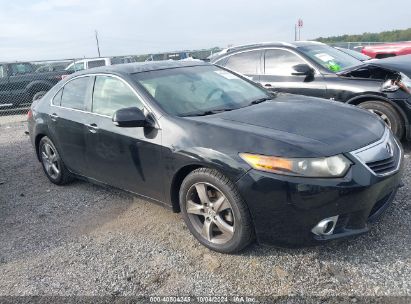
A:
382,157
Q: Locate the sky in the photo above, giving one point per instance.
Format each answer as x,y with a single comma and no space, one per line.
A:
57,29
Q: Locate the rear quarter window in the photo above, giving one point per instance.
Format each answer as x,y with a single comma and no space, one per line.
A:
57,98
74,93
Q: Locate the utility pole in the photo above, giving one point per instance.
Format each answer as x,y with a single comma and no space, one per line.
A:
98,46
295,32
300,26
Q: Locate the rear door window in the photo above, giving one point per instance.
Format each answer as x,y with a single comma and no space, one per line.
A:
74,93
96,63
111,94
281,62
247,63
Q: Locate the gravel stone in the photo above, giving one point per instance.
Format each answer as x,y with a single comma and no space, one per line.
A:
83,239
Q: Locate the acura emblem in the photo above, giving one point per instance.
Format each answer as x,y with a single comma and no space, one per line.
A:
389,149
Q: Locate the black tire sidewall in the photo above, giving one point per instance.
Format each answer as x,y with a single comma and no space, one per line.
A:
59,179
241,235
397,127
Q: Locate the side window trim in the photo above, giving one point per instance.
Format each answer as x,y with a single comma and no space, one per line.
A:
138,97
287,50
147,108
260,65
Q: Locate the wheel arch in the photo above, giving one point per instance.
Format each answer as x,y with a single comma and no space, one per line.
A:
178,178
37,140
38,86
363,98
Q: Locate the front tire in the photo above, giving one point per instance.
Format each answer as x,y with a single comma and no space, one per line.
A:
214,211
388,114
52,163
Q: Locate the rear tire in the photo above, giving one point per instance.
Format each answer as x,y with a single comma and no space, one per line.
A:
214,211
52,163
388,114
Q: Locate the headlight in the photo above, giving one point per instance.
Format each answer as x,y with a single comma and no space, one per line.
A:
392,85
334,166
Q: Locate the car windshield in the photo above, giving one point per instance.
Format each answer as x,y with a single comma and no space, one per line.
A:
199,90
355,54
329,57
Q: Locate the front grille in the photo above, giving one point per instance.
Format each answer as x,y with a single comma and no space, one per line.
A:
383,166
382,157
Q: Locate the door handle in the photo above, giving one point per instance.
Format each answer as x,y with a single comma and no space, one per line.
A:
54,116
267,85
92,127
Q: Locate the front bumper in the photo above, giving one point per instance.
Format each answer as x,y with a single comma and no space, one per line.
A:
284,209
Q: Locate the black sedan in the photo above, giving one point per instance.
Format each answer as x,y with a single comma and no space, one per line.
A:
315,69
239,162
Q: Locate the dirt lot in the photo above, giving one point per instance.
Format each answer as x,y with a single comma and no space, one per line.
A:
83,239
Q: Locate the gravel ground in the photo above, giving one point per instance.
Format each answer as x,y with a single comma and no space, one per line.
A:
83,239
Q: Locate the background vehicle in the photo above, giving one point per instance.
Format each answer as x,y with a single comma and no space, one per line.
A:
353,53
85,64
316,69
20,83
215,146
387,49
52,67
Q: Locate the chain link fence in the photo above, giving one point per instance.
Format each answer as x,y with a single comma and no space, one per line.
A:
23,82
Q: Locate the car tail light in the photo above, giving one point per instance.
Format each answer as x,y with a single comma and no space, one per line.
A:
29,114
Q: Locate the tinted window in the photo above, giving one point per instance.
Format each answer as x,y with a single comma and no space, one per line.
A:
74,93
57,98
245,63
21,68
111,94
96,63
281,62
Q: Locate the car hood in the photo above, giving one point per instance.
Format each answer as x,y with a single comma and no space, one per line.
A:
304,125
398,63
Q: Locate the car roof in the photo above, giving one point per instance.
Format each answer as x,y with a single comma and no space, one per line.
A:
138,67
251,46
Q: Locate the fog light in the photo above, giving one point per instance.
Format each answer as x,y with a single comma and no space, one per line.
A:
325,226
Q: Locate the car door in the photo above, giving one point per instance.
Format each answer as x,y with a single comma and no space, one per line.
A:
21,75
127,158
67,120
5,98
280,74
247,63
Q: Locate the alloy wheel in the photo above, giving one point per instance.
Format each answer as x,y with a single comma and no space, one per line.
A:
50,161
382,115
210,212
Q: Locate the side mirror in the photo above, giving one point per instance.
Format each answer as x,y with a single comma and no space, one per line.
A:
303,70
130,118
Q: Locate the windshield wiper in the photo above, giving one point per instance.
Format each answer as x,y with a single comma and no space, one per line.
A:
257,101
208,112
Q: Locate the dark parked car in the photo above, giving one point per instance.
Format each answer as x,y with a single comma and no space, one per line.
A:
237,161
316,69
20,83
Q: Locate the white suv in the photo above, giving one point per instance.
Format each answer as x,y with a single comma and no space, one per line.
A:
84,64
